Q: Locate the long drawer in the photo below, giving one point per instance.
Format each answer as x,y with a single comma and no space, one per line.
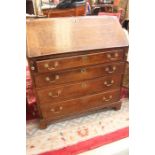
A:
78,61
87,103
65,92
85,73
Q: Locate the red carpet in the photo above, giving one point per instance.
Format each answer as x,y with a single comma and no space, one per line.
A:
91,143
78,135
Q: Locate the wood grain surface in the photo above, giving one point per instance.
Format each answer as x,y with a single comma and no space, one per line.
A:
70,34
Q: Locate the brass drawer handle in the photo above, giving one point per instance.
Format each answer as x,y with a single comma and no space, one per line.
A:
112,56
56,110
57,94
107,99
51,67
109,84
112,70
57,77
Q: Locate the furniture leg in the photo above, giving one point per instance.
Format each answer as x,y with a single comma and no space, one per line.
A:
42,124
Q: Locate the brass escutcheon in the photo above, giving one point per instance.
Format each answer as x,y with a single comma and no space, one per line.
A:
83,70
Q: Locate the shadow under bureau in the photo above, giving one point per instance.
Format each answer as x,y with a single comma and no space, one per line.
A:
77,65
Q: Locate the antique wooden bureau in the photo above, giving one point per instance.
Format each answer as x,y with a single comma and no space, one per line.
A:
76,63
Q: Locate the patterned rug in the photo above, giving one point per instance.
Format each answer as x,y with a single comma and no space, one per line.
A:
73,131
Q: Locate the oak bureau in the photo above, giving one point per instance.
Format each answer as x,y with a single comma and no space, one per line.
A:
76,63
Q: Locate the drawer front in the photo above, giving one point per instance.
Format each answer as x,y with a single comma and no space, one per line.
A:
88,103
77,61
62,14
84,73
80,10
76,90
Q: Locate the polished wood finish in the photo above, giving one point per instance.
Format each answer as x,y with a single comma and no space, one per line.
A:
78,61
78,105
73,75
68,12
76,71
72,34
65,92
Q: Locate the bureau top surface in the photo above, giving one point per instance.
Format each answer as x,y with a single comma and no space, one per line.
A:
72,34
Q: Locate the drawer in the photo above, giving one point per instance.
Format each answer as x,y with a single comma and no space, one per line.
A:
50,94
85,73
68,13
77,61
75,106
